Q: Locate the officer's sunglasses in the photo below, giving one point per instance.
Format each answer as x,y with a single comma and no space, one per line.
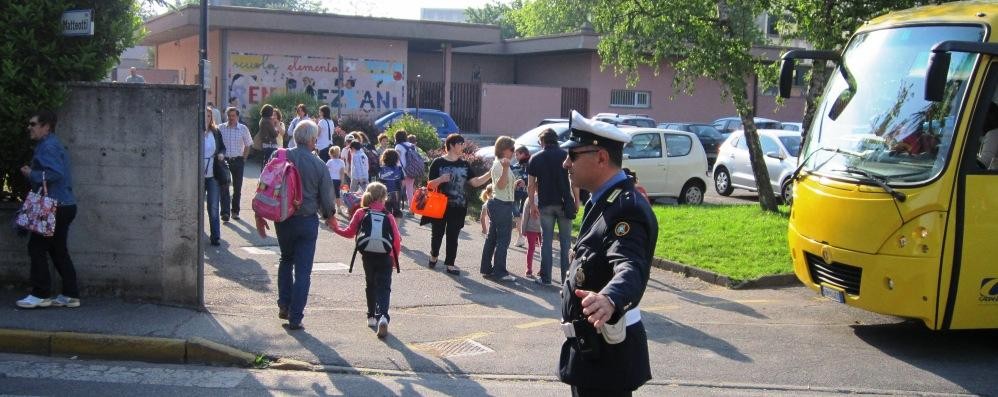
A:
572,155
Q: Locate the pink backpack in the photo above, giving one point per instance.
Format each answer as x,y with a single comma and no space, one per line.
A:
278,194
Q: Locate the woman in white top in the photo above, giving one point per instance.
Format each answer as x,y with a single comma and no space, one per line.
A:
326,128
214,150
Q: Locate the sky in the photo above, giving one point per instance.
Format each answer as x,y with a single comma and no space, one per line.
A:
402,9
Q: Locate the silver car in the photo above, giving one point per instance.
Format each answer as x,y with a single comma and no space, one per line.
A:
733,170
529,139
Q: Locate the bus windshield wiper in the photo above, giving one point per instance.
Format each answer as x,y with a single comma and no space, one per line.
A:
899,196
800,166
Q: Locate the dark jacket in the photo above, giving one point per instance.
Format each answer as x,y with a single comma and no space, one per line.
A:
612,256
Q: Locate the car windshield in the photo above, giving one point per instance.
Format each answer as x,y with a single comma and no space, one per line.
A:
792,143
768,125
879,117
706,131
386,118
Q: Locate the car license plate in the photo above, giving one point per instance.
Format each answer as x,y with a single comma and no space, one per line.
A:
833,294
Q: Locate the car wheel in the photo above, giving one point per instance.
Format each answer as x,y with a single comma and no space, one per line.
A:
692,193
787,192
722,182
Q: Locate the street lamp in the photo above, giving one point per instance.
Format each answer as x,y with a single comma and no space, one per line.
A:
419,85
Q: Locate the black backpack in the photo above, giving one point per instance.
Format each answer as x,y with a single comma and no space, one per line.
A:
375,236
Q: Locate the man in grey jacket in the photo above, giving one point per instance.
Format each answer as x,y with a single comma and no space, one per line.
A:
297,234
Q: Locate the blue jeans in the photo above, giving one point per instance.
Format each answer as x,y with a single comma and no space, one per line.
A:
211,192
549,214
296,236
378,277
497,242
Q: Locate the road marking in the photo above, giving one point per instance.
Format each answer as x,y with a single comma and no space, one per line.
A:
265,250
535,324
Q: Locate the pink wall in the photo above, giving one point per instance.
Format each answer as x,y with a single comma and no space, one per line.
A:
514,109
180,55
562,70
705,105
490,69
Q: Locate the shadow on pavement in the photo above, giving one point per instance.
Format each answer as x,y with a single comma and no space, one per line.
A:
422,365
329,356
966,358
710,301
689,336
248,273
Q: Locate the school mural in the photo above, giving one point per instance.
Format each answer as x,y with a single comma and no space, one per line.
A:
368,86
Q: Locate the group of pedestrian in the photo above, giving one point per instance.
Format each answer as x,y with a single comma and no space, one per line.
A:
603,275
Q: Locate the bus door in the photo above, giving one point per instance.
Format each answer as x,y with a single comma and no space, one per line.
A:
972,300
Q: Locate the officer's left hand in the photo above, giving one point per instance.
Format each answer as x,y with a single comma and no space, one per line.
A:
595,306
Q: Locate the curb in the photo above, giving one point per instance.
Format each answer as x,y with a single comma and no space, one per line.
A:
120,347
771,281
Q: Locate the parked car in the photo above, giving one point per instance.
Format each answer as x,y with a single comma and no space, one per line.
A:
668,163
552,121
727,125
528,139
733,170
442,121
710,137
633,120
792,126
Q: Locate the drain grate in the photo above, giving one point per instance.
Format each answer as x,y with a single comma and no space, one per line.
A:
453,348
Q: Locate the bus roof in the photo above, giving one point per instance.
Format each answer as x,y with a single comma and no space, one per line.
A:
976,12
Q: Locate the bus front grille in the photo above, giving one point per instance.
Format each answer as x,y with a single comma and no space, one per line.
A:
834,274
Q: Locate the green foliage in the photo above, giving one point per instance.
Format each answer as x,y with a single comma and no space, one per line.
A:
426,135
357,122
496,14
545,17
35,61
285,102
700,39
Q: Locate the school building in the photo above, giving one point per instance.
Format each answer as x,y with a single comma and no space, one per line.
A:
370,65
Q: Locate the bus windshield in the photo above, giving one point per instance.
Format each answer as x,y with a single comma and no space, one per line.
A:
873,117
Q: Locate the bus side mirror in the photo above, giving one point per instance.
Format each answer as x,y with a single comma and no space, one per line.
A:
935,76
787,66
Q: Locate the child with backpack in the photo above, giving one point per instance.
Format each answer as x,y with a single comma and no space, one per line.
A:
358,167
391,175
336,168
379,243
530,227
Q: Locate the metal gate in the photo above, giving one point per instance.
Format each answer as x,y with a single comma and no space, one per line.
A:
430,94
574,99
466,105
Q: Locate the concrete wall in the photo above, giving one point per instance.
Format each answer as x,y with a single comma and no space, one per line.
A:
564,70
514,109
133,155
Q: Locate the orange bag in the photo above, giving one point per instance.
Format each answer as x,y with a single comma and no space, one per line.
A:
429,203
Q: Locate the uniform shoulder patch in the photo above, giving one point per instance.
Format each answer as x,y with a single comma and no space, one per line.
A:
621,229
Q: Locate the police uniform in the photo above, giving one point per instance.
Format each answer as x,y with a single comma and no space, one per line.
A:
612,257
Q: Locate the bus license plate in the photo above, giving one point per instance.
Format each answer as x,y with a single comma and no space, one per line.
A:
832,294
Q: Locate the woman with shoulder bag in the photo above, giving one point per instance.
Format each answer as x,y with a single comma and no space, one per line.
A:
216,174
50,171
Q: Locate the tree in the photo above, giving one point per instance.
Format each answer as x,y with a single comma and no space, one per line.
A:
827,25
698,38
545,17
496,14
36,59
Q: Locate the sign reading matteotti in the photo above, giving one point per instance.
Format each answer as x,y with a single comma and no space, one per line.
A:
78,23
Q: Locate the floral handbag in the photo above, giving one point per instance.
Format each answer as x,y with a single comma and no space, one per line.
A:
38,212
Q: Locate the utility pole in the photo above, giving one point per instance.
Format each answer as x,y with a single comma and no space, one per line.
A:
202,108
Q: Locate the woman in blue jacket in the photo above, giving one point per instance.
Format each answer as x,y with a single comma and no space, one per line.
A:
51,162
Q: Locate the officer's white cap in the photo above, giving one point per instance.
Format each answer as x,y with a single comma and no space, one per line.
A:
586,132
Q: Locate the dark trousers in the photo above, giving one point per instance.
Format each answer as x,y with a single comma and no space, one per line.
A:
324,153
39,247
451,226
378,276
394,204
583,392
296,237
231,200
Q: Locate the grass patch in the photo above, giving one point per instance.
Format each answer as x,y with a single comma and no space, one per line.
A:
739,241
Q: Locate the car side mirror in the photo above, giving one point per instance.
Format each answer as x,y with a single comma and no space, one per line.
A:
775,155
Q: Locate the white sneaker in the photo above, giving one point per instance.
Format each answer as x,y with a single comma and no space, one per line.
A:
382,327
31,302
519,241
372,322
65,301
508,277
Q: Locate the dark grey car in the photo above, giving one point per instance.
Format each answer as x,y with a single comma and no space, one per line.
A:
710,138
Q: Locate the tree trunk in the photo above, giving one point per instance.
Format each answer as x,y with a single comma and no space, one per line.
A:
766,198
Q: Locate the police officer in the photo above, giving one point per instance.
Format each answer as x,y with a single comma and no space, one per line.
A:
606,351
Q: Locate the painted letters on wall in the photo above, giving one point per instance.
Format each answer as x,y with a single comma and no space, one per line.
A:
369,85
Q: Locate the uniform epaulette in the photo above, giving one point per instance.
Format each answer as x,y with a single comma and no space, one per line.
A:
613,195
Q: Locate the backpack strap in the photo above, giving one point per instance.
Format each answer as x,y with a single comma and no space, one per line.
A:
329,131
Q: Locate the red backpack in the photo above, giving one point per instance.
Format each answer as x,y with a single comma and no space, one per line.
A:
278,195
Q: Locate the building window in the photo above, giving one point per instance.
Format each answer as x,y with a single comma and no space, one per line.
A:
630,99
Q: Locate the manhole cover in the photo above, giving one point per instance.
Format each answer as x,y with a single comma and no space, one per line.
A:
265,250
453,348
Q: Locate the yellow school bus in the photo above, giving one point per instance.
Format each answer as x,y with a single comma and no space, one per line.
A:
895,202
